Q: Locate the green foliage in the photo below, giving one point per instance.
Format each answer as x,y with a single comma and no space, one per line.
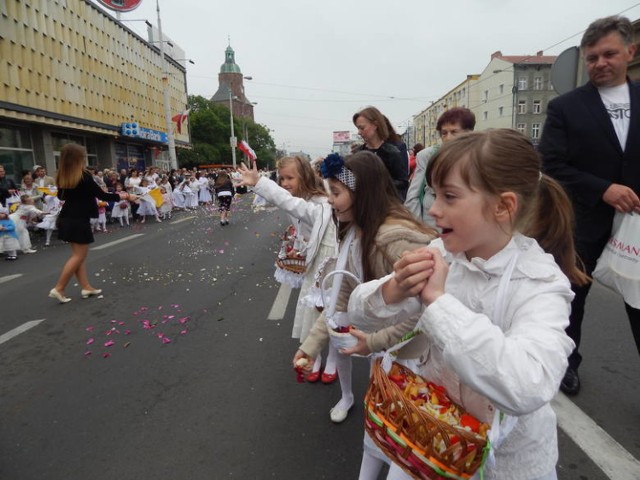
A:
210,128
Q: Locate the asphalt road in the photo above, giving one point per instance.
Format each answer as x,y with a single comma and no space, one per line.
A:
197,383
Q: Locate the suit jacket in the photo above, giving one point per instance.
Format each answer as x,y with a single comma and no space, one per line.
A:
80,201
580,149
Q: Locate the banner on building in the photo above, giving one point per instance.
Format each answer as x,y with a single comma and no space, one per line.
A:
341,137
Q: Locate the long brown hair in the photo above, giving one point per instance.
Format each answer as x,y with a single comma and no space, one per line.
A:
374,201
376,117
73,161
504,160
309,184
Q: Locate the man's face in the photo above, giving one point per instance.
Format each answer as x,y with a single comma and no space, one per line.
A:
607,60
2,172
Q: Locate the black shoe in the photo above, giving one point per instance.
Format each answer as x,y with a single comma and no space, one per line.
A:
571,382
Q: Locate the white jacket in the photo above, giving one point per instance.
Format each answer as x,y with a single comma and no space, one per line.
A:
515,363
314,214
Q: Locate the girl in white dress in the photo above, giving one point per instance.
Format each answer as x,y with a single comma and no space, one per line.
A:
147,203
204,195
167,205
191,200
52,207
302,195
22,217
122,209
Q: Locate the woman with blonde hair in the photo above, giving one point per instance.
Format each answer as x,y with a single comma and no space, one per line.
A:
78,191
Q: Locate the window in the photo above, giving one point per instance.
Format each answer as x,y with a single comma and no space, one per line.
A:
485,115
522,128
535,130
537,83
537,106
501,89
522,83
486,95
500,111
522,106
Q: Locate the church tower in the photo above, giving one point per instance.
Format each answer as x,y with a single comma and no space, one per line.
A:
231,87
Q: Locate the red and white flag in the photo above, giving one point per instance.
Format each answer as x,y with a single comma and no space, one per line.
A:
180,118
247,150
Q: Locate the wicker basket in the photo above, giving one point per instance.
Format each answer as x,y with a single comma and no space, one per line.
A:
422,445
294,265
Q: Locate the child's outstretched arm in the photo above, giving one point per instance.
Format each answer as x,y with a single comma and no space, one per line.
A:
410,277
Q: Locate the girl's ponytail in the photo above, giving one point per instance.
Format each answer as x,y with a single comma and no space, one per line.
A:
552,225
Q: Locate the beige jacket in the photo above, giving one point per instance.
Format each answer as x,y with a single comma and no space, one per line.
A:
393,238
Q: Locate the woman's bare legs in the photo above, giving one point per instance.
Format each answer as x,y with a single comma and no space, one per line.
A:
76,265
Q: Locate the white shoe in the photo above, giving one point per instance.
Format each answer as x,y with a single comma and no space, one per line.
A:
53,293
31,250
87,293
339,415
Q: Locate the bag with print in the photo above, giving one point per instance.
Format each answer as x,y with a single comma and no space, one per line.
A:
619,264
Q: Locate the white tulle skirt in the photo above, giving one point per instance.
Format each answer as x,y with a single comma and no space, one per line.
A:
307,315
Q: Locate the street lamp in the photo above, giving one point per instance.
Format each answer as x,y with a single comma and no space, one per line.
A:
165,96
233,141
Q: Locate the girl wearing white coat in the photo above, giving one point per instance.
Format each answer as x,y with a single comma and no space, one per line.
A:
491,304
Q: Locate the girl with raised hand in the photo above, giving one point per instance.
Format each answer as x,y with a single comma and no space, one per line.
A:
301,193
493,295
374,229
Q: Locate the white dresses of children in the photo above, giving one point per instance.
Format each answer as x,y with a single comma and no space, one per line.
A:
52,207
23,215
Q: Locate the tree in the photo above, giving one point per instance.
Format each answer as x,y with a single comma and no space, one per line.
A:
210,130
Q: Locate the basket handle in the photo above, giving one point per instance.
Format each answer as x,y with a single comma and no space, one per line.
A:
335,290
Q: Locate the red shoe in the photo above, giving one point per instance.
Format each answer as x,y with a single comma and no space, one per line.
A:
328,378
313,377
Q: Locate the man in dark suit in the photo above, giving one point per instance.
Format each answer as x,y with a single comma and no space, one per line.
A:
591,144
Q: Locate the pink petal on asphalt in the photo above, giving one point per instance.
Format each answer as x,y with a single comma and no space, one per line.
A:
184,332
109,343
127,332
106,355
89,329
184,320
166,340
87,353
90,341
121,323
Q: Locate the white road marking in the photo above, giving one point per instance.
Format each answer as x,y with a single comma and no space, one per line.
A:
8,278
18,330
116,242
183,219
616,462
279,306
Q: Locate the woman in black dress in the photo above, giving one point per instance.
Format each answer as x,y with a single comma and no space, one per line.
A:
78,191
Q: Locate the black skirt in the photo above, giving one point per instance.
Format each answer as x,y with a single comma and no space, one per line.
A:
74,230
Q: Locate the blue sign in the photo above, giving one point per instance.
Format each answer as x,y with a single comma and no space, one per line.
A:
132,129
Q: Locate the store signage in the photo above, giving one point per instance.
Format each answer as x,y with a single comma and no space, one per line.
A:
132,129
121,5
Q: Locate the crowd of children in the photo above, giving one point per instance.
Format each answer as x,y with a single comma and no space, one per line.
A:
35,207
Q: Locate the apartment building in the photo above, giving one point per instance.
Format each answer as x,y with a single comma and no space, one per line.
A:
424,123
513,93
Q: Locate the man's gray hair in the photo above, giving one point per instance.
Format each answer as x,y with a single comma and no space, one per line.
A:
604,26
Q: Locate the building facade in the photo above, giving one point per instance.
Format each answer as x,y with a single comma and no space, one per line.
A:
513,92
424,123
71,72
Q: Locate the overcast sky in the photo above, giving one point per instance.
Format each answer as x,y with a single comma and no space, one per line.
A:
315,63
